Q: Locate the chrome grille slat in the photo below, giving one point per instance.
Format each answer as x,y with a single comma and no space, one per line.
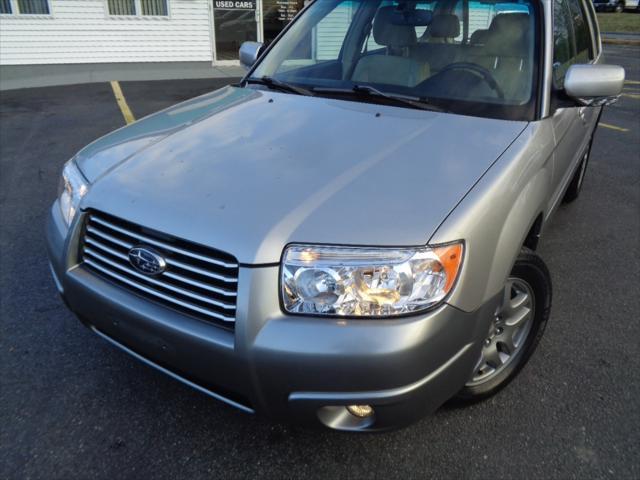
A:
94,231
158,294
160,244
130,271
200,271
169,274
101,246
191,268
194,281
117,241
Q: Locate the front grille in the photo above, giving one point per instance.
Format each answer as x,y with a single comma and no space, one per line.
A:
199,281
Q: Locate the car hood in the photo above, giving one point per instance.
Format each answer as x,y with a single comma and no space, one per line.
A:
248,171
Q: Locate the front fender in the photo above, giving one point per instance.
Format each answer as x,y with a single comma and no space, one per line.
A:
521,217
495,217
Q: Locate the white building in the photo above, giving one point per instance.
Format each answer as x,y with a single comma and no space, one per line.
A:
36,32
55,41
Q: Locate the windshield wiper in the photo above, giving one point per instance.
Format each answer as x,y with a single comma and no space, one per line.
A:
416,102
274,84
411,101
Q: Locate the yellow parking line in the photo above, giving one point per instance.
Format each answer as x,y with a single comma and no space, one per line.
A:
631,95
122,102
632,82
613,127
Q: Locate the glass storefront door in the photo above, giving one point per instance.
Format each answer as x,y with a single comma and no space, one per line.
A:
277,14
235,21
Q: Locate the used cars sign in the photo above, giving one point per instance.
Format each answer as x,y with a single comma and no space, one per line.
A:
235,5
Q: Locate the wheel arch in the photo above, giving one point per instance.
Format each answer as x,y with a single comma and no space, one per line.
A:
533,237
522,226
502,213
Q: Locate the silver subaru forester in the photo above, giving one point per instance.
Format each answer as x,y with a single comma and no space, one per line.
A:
346,237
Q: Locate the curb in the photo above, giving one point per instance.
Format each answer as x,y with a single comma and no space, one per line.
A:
620,41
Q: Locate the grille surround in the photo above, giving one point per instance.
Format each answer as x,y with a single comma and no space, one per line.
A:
199,281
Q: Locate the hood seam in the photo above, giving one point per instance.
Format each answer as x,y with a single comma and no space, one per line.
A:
435,231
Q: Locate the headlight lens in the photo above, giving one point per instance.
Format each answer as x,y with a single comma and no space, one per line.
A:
73,186
366,281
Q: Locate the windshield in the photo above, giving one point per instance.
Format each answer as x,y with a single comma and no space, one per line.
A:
470,57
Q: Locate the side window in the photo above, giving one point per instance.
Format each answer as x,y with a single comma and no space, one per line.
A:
591,13
482,13
562,52
584,49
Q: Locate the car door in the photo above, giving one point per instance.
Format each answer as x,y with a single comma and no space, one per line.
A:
572,125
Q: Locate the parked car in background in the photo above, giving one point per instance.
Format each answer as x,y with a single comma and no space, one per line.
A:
617,6
348,236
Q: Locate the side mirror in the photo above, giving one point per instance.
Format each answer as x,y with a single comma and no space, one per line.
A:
594,85
249,53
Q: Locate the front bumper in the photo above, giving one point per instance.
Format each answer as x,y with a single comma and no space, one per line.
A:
298,369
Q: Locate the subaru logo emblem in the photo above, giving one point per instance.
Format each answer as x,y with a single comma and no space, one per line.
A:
147,261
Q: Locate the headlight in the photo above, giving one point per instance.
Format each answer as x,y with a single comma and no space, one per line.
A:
350,281
73,186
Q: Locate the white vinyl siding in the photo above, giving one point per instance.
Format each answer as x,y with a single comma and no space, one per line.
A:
480,16
82,31
330,32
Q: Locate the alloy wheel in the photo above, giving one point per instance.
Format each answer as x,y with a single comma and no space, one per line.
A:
508,332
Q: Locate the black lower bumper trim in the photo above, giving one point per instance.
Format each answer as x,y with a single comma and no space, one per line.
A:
230,398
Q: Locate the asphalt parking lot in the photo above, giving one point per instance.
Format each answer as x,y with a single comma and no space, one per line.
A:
72,406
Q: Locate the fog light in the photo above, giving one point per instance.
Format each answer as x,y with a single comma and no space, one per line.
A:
360,411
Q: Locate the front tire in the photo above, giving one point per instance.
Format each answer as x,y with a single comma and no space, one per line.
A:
515,330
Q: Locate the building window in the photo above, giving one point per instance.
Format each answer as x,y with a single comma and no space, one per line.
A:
5,6
122,7
148,8
153,7
25,7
